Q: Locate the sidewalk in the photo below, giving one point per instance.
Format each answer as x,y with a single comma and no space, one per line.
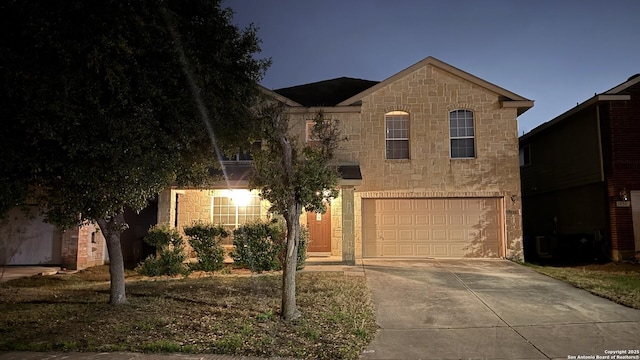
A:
121,356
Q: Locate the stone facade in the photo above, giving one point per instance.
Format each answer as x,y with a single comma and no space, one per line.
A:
427,91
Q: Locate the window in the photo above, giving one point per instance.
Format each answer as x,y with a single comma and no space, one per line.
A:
462,135
311,135
232,208
397,134
525,156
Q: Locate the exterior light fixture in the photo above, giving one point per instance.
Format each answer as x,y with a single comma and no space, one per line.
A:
240,197
624,194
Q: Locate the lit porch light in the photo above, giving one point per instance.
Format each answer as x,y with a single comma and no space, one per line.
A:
240,197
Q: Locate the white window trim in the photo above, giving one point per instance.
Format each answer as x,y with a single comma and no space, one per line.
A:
386,131
475,151
309,131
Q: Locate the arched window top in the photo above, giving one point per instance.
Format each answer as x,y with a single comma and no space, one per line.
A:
461,111
397,113
396,125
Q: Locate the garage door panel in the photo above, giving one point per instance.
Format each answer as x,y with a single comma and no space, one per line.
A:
404,205
406,219
406,250
388,219
423,250
440,250
439,235
456,220
455,204
438,204
422,219
388,235
405,235
391,249
457,235
458,250
422,235
460,227
439,219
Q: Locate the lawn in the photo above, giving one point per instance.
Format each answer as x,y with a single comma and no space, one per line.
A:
617,281
222,314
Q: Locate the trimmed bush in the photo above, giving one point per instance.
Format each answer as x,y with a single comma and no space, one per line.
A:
261,246
206,241
170,253
254,248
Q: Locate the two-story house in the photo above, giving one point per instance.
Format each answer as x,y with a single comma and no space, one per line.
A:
430,168
581,179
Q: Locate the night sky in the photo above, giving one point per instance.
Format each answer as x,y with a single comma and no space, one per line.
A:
557,52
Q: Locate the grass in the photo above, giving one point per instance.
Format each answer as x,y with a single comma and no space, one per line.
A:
221,315
619,282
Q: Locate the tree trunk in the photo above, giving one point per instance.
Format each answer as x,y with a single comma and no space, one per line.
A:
112,228
289,307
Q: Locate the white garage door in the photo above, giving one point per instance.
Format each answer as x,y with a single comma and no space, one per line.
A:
452,227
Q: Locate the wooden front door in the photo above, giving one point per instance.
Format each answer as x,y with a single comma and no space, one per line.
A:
319,231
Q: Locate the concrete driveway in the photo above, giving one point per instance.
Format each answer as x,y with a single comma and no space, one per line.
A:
490,309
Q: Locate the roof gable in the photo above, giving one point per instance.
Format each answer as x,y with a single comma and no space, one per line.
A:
521,103
325,93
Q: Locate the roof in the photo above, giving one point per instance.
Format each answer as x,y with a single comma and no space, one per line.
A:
345,91
613,94
327,92
237,174
508,98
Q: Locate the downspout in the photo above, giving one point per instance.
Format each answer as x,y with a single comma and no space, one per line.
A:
599,142
175,221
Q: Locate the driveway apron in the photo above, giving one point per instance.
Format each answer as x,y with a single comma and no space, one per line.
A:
490,309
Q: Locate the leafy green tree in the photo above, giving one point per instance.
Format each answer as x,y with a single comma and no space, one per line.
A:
292,175
106,103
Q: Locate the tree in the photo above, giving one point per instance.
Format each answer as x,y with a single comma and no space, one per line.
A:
103,105
292,176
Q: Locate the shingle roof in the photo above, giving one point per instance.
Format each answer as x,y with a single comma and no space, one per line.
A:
327,92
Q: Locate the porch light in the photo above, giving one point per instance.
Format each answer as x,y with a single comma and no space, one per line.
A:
624,194
239,197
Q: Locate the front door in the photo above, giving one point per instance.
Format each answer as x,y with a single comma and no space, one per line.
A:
319,231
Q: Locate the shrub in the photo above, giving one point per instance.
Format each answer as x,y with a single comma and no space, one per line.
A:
261,246
206,241
170,253
254,248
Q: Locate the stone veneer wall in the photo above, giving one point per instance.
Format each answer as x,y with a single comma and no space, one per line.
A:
428,95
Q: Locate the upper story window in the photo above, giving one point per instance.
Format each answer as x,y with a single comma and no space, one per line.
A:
462,134
525,155
396,125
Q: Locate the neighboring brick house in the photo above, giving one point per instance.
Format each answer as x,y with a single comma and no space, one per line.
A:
581,179
26,239
430,168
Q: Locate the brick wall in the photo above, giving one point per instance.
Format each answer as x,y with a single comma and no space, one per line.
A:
621,131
